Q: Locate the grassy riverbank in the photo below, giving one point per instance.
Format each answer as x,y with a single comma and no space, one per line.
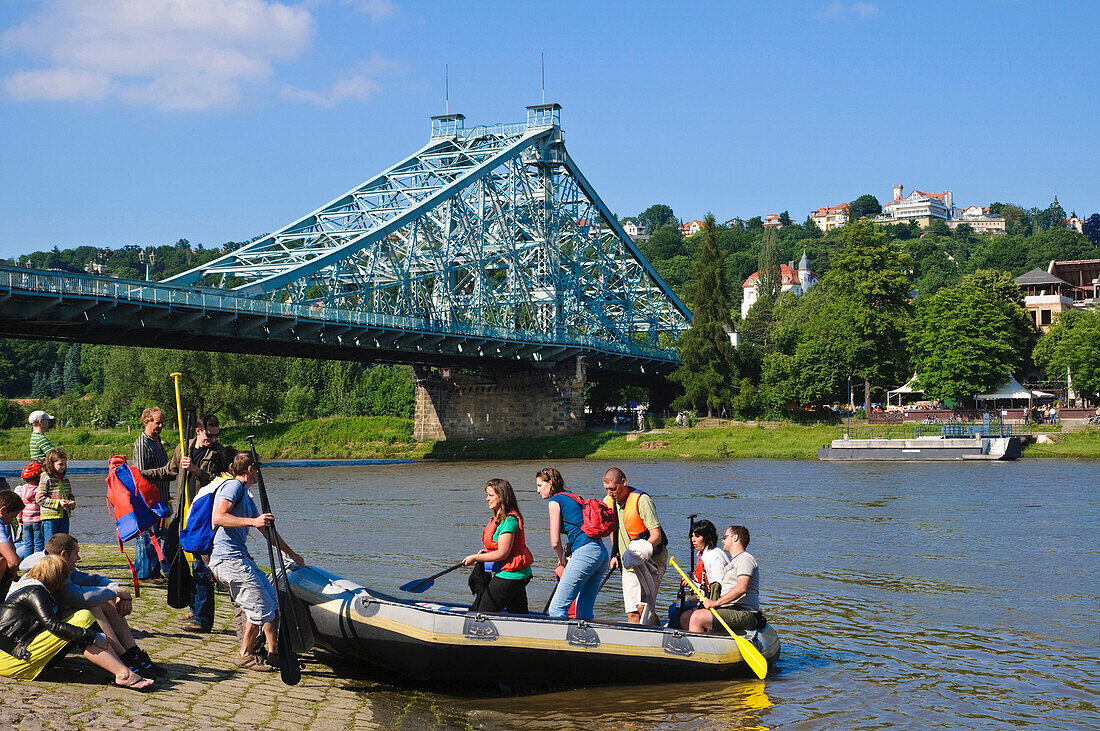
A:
391,438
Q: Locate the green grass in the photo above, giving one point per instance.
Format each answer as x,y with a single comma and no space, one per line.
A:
339,437
367,437
771,440
1083,444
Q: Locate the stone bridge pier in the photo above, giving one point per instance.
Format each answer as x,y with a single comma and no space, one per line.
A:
497,405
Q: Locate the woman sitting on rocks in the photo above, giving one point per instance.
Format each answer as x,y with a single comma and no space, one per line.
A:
31,633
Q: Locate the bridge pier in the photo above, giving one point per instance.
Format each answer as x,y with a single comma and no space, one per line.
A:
500,404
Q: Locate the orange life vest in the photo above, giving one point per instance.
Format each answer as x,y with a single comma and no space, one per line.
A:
520,557
632,520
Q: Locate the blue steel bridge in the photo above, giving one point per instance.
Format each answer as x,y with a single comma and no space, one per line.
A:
487,248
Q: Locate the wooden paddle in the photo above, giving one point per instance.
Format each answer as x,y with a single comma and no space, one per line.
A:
289,670
419,586
749,653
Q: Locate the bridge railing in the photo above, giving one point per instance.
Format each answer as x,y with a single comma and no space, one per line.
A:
157,293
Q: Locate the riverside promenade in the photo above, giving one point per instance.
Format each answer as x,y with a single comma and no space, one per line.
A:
203,689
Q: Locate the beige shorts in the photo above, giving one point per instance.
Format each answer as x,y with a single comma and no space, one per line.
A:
632,589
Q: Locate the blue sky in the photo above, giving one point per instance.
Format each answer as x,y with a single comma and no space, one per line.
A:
145,121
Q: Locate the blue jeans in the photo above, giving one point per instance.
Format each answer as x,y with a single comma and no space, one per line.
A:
56,525
581,581
33,540
202,595
145,559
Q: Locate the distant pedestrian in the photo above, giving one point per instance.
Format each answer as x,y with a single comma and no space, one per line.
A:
40,443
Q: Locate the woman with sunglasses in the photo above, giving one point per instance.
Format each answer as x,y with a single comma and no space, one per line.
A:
582,571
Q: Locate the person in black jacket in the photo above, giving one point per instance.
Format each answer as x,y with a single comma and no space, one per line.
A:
31,633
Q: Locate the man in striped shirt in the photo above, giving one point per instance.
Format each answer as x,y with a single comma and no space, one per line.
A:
40,443
149,453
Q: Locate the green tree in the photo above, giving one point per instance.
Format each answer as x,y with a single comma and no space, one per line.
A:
1091,228
55,385
40,387
664,243
769,281
967,337
656,216
1017,220
1050,218
865,205
70,375
1073,343
708,375
851,323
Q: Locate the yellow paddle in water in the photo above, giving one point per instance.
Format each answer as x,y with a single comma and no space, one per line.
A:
749,653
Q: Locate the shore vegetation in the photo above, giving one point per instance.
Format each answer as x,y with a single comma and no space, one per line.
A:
391,438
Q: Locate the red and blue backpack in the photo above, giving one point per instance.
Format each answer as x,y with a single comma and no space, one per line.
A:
136,504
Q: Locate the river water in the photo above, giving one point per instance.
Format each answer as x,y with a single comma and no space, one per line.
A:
906,595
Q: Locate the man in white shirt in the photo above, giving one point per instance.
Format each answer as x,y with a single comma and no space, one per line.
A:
739,605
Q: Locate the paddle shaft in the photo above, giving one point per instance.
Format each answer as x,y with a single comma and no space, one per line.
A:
289,672
415,586
682,593
749,653
179,410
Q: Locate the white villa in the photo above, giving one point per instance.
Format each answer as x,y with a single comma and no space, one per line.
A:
792,280
917,206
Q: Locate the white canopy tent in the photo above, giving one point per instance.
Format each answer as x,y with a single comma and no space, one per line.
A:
909,387
1011,389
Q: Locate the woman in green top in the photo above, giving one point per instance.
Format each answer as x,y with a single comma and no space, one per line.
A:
506,548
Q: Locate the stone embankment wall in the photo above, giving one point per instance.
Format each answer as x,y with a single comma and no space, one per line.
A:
500,405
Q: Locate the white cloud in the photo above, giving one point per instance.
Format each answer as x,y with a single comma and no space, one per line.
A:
846,11
169,54
377,10
359,84
57,85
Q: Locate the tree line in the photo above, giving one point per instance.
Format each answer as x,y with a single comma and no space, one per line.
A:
892,300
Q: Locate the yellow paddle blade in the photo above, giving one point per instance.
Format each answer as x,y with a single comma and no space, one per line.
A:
749,653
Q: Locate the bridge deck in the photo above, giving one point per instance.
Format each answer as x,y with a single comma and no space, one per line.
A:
84,308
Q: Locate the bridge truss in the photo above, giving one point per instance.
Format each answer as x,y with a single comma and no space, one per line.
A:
488,227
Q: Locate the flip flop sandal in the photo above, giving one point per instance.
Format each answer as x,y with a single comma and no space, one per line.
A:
252,662
141,685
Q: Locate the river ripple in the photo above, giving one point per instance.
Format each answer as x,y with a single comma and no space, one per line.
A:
906,595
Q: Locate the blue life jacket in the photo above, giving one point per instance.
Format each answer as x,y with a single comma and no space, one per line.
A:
197,533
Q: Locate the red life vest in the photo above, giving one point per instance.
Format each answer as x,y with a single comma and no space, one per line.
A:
136,503
700,571
520,557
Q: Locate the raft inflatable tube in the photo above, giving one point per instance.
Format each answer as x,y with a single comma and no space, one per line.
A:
447,643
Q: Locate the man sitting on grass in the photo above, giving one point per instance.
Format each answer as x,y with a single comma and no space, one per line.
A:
108,602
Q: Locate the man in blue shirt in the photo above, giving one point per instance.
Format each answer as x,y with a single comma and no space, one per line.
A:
233,514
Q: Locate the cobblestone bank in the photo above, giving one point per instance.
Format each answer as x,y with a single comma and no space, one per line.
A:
203,689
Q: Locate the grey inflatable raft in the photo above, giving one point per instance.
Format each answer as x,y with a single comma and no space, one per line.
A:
445,642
